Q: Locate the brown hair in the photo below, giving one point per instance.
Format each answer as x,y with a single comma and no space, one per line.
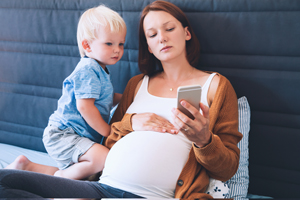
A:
148,63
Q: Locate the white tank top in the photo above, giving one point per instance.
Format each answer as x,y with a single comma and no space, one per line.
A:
148,163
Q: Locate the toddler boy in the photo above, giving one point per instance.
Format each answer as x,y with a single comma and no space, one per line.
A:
75,130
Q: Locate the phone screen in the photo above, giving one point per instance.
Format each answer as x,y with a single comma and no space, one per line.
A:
191,94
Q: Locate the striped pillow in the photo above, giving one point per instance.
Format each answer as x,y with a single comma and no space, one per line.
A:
238,184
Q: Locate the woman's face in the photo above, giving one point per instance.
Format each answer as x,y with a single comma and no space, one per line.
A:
165,36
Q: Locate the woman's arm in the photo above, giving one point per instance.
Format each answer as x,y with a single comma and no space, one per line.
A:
221,156
215,132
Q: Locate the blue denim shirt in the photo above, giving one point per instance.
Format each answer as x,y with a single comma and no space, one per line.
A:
88,80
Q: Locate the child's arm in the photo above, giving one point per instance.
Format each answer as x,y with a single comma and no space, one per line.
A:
92,116
117,98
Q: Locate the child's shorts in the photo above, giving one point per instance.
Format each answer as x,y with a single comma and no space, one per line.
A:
65,146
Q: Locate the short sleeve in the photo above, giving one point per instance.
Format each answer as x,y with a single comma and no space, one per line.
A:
86,84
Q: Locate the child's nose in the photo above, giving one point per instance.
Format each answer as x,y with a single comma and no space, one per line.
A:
117,49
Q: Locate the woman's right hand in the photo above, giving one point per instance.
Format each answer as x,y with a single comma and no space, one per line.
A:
152,122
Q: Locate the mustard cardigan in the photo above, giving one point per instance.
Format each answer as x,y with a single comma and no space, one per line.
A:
219,159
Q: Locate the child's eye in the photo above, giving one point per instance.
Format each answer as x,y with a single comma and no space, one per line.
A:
121,44
108,43
170,29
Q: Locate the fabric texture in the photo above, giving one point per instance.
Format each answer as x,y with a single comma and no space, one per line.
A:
222,152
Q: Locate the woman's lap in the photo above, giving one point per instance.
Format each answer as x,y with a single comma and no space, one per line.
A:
18,183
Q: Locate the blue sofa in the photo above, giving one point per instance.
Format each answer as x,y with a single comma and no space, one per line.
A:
254,43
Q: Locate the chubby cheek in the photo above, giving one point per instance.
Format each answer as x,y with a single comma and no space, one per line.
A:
121,54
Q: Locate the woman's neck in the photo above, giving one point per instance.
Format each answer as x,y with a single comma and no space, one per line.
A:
175,72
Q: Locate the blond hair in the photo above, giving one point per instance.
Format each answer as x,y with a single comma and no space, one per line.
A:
91,20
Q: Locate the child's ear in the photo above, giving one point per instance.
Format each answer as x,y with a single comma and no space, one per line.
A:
86,46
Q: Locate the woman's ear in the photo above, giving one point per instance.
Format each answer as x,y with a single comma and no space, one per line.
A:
86,46
188,35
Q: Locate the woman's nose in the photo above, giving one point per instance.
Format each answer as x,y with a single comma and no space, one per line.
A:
162,37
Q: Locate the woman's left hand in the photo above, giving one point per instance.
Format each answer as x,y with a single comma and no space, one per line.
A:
196,130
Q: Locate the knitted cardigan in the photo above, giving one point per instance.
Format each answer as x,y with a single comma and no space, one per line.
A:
219,159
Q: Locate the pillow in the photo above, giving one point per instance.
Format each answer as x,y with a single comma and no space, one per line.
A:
239,183
217,189
237,186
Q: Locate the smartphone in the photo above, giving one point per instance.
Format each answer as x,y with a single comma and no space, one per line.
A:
191,94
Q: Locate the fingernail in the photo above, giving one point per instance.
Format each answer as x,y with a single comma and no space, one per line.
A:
183,103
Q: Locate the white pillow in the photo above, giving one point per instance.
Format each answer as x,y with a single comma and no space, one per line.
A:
217,189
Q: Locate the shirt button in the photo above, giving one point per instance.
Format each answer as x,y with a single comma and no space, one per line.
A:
180,182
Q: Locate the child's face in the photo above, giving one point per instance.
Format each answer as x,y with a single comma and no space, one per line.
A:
108,47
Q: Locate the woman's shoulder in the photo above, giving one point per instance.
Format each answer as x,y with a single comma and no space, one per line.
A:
136,79
223,81
218,78
225,87
218,86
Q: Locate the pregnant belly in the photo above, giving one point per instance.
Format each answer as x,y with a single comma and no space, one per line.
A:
147,159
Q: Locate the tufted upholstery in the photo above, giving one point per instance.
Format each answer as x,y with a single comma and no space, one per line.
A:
254,43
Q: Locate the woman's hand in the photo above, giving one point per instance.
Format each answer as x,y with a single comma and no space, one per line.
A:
152,122
196,130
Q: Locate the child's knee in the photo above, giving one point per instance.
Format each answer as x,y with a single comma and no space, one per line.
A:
96,154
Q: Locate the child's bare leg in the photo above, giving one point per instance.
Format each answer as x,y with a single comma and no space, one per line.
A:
88,164
23,163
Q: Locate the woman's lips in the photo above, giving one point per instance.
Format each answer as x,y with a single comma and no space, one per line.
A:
166,48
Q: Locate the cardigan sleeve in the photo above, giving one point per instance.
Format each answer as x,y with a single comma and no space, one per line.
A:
221,157
118,130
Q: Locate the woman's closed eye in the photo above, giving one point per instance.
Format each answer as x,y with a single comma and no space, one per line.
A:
152,35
